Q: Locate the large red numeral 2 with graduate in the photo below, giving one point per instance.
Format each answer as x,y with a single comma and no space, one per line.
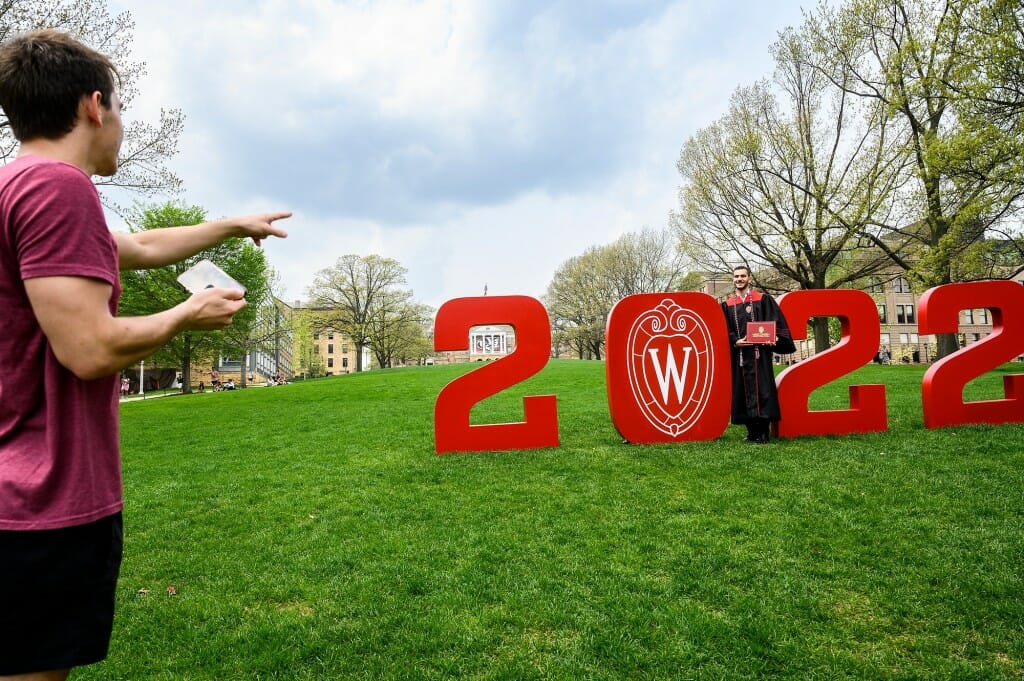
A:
860,330
452,429
942,391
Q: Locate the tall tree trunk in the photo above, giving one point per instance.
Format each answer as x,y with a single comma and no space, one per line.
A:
947,344
186,365
821,340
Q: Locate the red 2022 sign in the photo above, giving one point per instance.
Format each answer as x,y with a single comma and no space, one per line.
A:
669,375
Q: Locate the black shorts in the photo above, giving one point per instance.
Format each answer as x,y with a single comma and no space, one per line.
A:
57,595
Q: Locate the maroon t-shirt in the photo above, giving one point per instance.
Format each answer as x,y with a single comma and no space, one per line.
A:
59,458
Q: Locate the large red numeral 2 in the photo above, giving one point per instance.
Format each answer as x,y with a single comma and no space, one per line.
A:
860,328
452,430
942,391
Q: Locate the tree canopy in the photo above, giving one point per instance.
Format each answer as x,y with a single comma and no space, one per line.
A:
584,288
791,177
918,58
365,297
142,167
891,134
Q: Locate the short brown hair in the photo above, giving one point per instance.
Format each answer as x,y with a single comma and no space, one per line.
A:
43,76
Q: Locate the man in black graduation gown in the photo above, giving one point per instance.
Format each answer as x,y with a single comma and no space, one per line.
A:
755,399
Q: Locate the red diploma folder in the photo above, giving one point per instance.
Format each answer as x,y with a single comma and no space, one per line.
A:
761,332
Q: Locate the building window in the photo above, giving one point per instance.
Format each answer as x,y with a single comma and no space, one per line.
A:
344,349
330,335
977,337
883,340
881,313
344,362
913,339
875,285
330,348
983,316
902,285
904,314
903,339
316,348
330,362
968,316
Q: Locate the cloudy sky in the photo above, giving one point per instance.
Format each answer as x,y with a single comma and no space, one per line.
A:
477,142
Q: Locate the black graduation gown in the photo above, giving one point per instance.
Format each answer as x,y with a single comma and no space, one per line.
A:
754,394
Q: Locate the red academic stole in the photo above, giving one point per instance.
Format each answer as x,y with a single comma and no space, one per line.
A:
757,331
752,297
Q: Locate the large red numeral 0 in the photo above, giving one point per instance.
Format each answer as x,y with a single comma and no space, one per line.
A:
452,430
860,327
942,391
668,373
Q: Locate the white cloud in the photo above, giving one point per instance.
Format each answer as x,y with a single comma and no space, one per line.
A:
474,141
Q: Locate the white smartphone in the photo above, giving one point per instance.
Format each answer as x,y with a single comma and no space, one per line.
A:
204,274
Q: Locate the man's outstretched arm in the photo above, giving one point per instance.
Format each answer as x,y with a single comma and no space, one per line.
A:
159,247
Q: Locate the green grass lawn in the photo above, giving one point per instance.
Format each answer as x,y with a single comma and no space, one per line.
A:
310,532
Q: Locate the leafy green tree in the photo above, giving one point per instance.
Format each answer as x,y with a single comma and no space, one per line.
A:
147,146
647,261
358,296
790,178
585,288
918,59
397,333
308,361
397,330
577,306
991,80
991,98
419,346
149,291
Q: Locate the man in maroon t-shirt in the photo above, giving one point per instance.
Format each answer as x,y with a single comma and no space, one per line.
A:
63,346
